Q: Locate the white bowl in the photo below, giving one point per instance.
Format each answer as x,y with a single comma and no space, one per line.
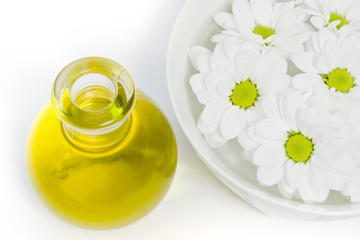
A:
194,26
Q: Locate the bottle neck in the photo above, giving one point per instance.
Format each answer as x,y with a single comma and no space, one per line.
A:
99,141
94,98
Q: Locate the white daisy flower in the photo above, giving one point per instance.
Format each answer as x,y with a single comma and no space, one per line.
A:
333,14
231,83
331,69
302,149
268,23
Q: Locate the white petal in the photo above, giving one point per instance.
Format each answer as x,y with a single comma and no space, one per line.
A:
214,77
248,56
225,20
275,83
305,61
295,33
341,137
354,114
324,36
291,104
262,10
319,40
282,16
210,117
331,5
341,116
353,12
225,53
255,114
242,73
207,95
219,60
352,187
354,64
271,129
269,176
320,114
224,87
345,52
326,128
313,189
286,190
232,122
231,49
269,154
245,62
199,88
307,129
219,37
336,180
214,140
272,62
322,95
202,64
276,16
316,183
197,83
222,55
355,92
243,14
296,173
328,154
271,106
306,81
330,47
287,48
318,22
250,46
310,195
355,24
248,143
325,63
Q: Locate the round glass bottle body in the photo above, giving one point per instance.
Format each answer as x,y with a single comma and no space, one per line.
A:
114,170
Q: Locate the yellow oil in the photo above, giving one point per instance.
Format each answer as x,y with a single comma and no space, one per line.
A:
103,180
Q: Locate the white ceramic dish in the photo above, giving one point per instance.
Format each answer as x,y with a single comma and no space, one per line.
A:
194,26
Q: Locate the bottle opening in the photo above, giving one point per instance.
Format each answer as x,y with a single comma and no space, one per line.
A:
93,92
93,95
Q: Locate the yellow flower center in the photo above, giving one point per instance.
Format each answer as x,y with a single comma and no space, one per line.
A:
298,147
340,79
334,17
244,94
265,32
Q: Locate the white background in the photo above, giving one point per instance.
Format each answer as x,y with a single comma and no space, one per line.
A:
37,39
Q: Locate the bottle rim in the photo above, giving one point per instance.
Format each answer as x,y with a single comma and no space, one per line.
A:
100,120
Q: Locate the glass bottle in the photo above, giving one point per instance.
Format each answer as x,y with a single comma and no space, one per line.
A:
101,154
